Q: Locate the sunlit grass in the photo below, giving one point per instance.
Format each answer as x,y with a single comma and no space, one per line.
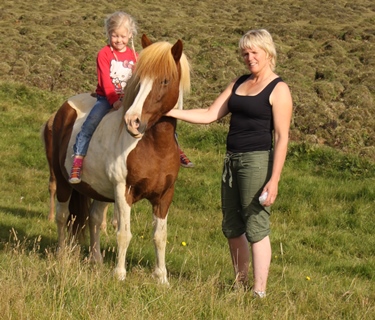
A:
322,223
322,240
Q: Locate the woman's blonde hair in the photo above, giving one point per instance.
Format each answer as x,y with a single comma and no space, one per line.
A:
262,39
118,19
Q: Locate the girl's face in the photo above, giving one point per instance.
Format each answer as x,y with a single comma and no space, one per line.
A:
119,38
255,59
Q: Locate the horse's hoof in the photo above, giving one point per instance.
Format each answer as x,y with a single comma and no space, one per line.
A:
96,258
164,282
161,277
120,274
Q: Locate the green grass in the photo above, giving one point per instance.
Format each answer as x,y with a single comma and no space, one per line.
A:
322,236
322,223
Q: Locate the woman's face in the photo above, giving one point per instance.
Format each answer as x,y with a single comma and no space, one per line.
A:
119,38
255,59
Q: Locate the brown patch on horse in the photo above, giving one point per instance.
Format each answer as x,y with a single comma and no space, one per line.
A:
62,129
154,181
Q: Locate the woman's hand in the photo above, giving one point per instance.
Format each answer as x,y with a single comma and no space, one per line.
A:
272,189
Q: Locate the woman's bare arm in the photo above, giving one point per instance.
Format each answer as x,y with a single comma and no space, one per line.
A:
214,112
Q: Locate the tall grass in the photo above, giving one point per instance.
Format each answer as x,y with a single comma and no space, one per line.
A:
322,236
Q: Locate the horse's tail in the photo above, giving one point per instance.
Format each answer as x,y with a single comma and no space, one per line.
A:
79,207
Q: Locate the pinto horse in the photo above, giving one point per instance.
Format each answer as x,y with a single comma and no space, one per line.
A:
133,154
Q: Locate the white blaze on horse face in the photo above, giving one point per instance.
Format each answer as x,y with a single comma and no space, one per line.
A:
135,111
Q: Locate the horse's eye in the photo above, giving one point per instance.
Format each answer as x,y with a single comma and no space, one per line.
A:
164,82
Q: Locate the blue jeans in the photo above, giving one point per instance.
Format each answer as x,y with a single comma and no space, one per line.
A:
100,109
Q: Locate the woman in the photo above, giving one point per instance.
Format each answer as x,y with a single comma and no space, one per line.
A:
261,105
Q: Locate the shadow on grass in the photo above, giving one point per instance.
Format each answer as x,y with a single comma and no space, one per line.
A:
14,236
23,212
11,236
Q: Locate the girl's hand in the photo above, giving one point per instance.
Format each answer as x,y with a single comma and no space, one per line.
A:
117,105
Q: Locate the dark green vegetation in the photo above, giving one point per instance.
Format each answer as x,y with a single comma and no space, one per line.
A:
323,222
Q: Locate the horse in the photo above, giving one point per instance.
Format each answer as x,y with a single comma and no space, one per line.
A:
133,155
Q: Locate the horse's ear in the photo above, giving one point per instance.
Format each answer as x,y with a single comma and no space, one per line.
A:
145,41
177,50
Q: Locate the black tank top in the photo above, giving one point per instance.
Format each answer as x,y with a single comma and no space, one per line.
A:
251,122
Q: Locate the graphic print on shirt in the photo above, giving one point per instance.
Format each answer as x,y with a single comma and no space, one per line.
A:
120,72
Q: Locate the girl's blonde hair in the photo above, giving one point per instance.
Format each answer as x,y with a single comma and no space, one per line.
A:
118,19
262,39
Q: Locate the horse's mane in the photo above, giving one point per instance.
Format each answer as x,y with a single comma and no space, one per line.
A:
156,61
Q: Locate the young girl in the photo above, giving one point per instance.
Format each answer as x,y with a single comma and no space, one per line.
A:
114,68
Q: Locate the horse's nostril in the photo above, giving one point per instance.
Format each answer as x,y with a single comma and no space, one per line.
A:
136,123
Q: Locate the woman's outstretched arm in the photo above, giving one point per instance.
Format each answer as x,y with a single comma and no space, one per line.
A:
214,112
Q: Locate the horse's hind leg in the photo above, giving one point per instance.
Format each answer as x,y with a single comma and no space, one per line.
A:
97,215
52,195
103,226
160,241
64,198
62,216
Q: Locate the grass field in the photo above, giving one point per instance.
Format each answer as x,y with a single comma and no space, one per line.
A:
323,263
323,244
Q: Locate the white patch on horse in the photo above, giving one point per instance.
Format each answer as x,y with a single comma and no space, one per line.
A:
145,89
82,103
111,166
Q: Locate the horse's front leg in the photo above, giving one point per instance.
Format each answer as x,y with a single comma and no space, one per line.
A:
97,214
160,242
122,212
